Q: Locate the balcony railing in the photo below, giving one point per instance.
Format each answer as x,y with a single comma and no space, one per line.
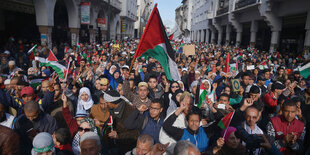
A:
243,3
222,11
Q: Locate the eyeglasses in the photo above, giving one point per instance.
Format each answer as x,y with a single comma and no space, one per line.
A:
62,82
83,129
174,86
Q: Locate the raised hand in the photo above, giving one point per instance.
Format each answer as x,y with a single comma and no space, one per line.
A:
64,100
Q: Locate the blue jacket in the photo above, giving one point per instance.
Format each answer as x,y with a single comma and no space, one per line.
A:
145,123
200,139
152,127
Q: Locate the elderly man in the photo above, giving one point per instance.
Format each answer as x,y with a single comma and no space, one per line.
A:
251,118
90,144
31,123
164,138
43,144
141,97
184,147
144,145
119,110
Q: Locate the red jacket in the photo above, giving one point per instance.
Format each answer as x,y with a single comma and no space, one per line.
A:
283,127
270,100
71,122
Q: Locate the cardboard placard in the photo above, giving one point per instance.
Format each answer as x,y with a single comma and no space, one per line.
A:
189,49
235,84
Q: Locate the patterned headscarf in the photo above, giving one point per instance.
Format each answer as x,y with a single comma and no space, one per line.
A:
90,122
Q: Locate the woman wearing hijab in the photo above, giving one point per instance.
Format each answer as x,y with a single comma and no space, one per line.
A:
229,144
87,124
169,91
85,101
115,79
114,76
174,101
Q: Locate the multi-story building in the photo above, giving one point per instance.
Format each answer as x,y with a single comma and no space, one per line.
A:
63,20
128,18
187,16
183,17
143,12
265,24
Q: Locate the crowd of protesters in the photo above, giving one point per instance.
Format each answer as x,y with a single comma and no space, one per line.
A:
103,106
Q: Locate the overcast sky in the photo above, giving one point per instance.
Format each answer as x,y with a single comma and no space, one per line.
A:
167,11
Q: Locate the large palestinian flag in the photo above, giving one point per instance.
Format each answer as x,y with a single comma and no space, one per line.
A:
60,69
155,43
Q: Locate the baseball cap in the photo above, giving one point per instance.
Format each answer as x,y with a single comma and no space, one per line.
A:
104,81
81,113
143,84
27,91
125,67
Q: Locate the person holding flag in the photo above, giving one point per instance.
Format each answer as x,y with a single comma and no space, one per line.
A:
155,43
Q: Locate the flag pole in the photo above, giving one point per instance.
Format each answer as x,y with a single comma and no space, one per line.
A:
67,70
229,123
142,38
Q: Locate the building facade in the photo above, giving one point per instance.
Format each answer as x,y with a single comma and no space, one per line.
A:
264,24
144,11
59,21
128,18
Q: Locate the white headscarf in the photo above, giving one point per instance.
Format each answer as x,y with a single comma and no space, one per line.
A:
210,94
82,104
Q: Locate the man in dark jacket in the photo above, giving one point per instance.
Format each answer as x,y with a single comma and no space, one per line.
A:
120,110
148,122
31,123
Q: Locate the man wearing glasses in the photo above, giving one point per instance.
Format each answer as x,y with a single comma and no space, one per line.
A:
147,120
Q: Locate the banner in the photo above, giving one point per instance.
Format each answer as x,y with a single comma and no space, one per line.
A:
85,12
101,22
189,49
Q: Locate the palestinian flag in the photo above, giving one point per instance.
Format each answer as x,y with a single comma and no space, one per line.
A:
78,46
171,36
234,67
202,94
227,66
66,50
32,54
51,56
238,57
225,121
60,69
37,81
155,43
263,65
305,70
32,49
87,57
